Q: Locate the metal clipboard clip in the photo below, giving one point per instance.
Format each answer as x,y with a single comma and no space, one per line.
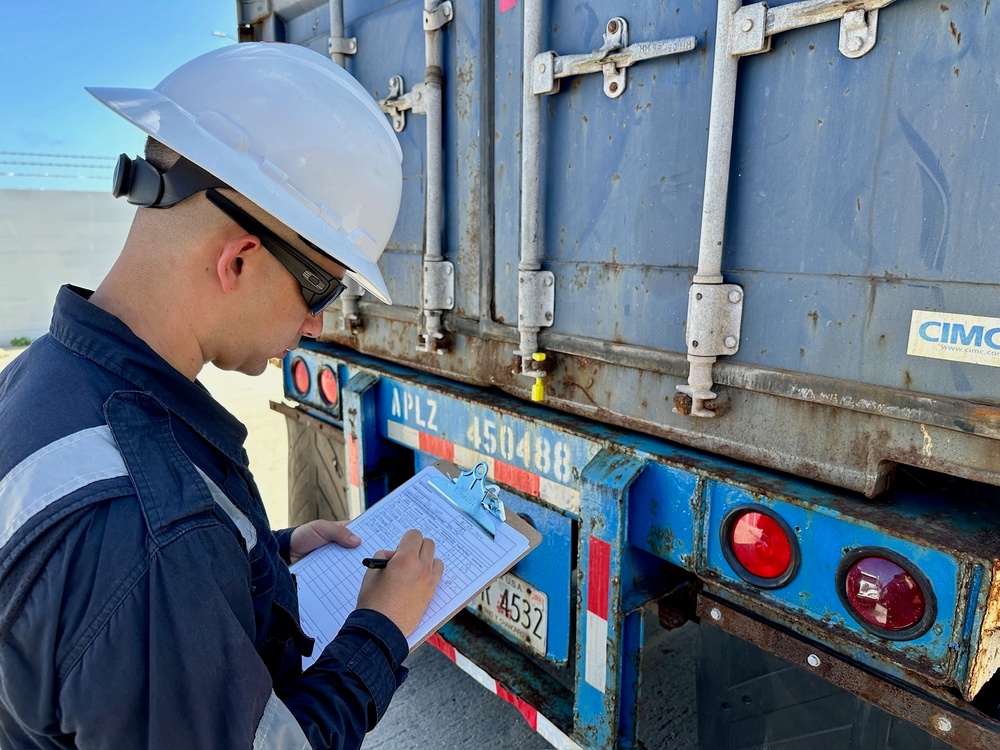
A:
482,505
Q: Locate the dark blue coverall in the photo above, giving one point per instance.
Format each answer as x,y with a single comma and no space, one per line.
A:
144,599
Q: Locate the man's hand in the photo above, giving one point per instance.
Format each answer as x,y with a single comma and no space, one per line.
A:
402,590
315,534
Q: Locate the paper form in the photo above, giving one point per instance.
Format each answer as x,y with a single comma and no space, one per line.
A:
329,578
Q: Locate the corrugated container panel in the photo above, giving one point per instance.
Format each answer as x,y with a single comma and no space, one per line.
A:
861,190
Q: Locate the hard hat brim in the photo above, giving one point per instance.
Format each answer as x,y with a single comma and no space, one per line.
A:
207,143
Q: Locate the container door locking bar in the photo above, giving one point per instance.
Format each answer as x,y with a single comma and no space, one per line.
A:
438,293
715,309
536,287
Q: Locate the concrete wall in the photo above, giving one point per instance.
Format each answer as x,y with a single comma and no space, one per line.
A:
50,238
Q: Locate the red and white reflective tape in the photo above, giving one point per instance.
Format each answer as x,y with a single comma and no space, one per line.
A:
598,581
559,495
552,734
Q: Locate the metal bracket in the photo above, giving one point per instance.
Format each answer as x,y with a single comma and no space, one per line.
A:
748,32
440,16
715,315
536,298
753,26
398,102
858,31
343,45
349,319
439,285
611,59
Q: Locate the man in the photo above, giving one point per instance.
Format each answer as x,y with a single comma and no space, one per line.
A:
144,600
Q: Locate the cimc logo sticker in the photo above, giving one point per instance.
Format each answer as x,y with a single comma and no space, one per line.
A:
962,338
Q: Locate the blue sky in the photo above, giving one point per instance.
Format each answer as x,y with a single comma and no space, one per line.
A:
50,50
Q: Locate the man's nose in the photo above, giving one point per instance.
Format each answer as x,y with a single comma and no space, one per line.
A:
312,326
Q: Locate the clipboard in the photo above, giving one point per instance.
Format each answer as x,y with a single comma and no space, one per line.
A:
457,509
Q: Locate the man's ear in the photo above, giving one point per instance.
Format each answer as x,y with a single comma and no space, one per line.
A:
231,259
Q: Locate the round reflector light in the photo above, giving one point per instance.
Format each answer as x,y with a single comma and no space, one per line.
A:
329,388
300,376
761,545
885,595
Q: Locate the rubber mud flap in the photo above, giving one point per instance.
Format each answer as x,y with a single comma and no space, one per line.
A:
748,698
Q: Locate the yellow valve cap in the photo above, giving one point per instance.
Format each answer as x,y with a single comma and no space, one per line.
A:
538,390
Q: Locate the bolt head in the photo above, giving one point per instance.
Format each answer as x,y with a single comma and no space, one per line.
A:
813,660
943,724
855,43
541,67
613,87
731,342
747,25
735,296
716,614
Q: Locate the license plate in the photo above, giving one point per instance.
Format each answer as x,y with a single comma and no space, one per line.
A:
518,609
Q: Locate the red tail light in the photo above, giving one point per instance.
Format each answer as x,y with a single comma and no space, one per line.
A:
760,547
886,594
300,377
329,388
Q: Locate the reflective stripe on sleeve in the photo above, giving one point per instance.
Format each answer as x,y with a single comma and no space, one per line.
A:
55,471
278,729
71,463
246,528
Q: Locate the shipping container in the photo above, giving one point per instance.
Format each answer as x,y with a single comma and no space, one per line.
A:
709,288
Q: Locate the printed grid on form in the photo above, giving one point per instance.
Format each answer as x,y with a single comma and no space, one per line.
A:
329,579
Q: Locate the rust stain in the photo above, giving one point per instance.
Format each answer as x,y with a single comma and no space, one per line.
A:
987,656
814,314
955,32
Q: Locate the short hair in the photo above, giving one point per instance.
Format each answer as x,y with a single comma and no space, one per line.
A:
159,155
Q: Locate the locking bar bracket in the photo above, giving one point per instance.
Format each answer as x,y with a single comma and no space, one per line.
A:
754,25
536,292
611,59
439,17
343,45
398,102
715,316
439,285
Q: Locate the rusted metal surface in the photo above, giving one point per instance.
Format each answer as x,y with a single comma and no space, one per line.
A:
818,434
942,715
302,416
544,688
986,660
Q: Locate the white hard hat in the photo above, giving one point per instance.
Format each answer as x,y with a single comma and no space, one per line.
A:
291,131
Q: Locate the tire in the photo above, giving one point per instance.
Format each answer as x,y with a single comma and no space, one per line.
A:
317,478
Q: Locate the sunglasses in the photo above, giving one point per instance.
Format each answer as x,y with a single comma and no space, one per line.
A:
319,288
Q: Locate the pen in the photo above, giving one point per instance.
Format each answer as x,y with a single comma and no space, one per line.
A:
376,563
